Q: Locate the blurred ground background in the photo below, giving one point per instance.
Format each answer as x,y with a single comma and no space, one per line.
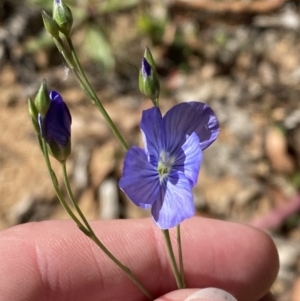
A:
242,57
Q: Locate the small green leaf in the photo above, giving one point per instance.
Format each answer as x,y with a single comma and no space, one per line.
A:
114,5
97,47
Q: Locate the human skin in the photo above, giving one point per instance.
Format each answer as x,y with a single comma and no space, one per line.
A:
55,261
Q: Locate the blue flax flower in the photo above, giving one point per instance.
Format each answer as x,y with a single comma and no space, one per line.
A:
56,127
162,176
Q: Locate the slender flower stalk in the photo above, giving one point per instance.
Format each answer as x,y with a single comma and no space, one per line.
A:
91,234
172,259
93,96
179,245
65,54
58,191
72,198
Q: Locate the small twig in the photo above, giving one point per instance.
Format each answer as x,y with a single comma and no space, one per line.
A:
237,7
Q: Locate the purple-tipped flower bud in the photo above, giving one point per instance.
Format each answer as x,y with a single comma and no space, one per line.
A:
50,25
56,127
62,15
148,78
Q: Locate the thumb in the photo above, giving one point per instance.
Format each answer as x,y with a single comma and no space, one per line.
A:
206,294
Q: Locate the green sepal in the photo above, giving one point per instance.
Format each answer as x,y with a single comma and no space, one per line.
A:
34,115
62,15
148,56
61,154
42,100
50,25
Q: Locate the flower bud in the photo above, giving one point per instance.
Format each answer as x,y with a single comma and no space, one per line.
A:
62,15
56,127
148,78
42,101
50,25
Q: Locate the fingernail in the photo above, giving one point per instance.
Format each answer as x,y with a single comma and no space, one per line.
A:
211,293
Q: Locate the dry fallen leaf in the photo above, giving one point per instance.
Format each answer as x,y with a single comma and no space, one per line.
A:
276,151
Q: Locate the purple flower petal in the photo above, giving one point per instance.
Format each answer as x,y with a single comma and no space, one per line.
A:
146,68
151,129
57,122
185,118
175,204
140,179
190,159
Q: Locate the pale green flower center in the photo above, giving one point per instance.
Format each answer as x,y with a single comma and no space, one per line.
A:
165,164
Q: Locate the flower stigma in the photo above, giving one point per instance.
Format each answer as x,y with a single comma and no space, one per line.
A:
165,165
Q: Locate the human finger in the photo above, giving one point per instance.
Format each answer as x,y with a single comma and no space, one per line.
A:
54,261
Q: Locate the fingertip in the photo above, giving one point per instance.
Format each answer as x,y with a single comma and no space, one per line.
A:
210,294
206,294
240,259
268,255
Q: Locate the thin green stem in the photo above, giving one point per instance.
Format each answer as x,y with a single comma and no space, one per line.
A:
95,239
128,272
73,65
172,258
71,196
179,245
57,189
91,93
60,46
